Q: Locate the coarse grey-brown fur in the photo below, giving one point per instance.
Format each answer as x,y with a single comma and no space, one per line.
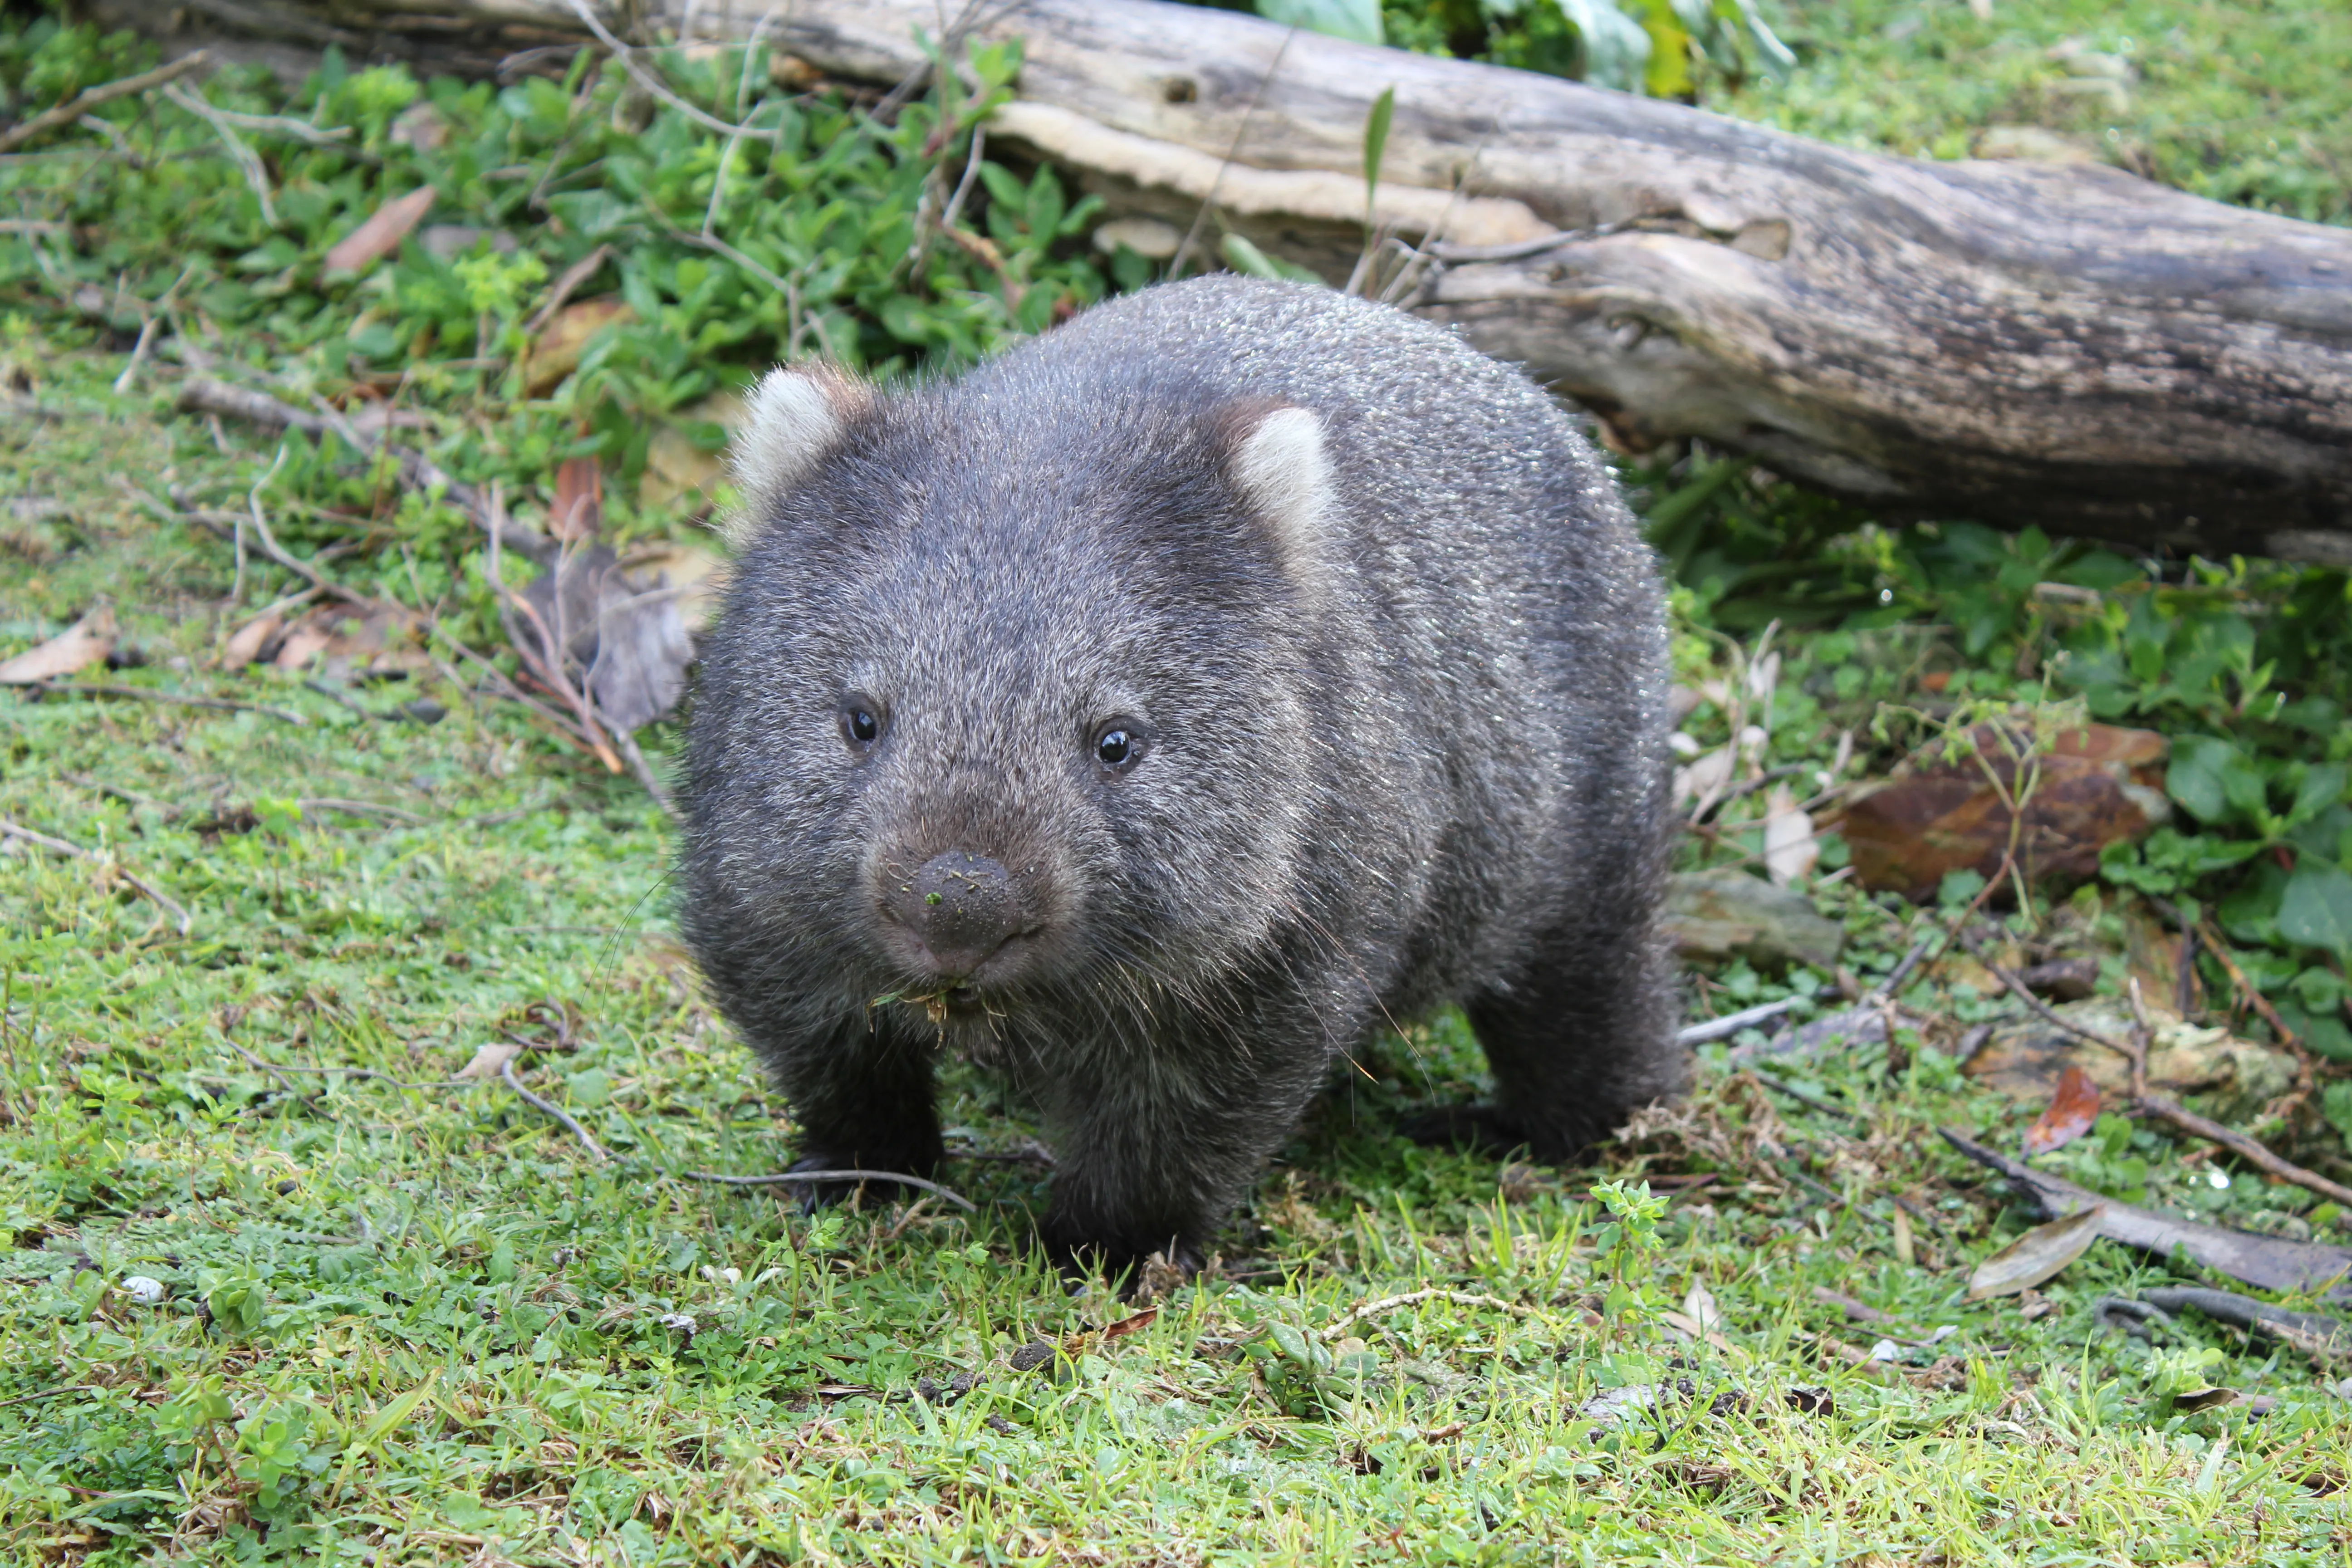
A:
1402,749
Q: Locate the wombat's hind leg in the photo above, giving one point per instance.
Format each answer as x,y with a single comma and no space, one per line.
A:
1581,1038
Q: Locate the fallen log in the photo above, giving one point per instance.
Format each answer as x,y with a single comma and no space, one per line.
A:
2063,346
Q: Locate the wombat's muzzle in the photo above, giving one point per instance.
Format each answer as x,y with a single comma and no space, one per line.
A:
961,909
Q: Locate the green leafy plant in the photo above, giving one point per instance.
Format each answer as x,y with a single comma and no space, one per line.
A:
1359,20
1629,1239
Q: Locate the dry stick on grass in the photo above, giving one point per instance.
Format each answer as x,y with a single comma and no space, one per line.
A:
573,276
546,661
283,1068
76,852
248,160
1412,1298
2307,1073
418,472
82,103
793,1178
269,1068
645,78
2164,1107
914,1212
553,722
1801,1098
173,699
507,1073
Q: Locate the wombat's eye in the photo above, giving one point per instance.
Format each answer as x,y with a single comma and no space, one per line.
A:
1118,743
860,725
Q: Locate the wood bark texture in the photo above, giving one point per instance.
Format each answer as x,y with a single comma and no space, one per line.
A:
2066,346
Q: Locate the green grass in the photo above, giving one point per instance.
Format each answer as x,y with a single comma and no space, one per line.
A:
420,1323
2243,100
2248,101
408,1321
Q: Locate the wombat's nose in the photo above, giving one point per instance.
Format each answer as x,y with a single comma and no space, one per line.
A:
962,907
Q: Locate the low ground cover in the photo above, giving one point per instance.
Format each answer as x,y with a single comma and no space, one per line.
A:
286,1279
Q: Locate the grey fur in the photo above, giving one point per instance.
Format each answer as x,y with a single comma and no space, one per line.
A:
1426,765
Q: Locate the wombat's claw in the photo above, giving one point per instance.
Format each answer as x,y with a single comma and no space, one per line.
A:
1480,1128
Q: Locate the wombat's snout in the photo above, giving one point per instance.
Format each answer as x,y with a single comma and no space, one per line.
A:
960,908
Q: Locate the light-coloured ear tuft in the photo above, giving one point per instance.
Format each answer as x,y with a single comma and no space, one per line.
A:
1281,469
795,415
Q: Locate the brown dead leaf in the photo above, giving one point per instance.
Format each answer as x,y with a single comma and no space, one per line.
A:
578,511
676,465
86,642
697,577
2098,786
2036,1256
250,639
2152,953
2026,1059
1791,851
380,235
345,641
2067,1117
555,352
1136,1323
490,1060
1698,1475
1705,775
624,631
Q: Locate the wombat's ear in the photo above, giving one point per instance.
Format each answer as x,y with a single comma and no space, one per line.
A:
1275,458
796,414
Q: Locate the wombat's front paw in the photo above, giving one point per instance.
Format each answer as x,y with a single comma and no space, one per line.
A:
1140,1276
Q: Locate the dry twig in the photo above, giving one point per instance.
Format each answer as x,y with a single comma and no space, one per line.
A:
175,698
1334,1330
791,1178
2307,1073
2164,1107
75,851
82,103
507,1072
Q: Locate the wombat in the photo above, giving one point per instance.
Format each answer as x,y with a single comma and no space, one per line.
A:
1157,711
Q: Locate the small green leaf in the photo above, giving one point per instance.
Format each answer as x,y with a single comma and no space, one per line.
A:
2336,1102
1376,144
2322,786
1356,20
1244,258
2204,777
1958,888
2316,908
1615,48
